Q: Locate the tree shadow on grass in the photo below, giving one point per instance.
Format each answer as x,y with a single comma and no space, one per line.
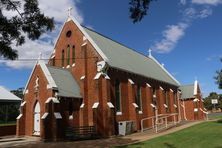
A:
168,145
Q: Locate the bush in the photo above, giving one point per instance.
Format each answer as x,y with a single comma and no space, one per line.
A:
219,121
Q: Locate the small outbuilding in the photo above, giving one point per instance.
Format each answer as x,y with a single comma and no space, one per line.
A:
9,105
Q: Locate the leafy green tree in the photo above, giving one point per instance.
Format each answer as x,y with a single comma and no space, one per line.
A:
218,77
138,9
18,92
207,101
29,21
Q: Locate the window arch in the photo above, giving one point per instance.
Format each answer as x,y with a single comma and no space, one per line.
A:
139,98
118,95
63,58
68,55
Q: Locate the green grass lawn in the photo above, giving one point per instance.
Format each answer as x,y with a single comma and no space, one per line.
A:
204,135
6,124
215,116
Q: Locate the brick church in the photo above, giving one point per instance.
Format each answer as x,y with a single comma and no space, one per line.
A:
92,80
192,103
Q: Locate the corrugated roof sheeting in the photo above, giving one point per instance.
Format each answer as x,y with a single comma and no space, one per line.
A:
67,85
121,57
7,96
187,91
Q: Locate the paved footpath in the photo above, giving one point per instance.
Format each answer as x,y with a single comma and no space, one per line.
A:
34,142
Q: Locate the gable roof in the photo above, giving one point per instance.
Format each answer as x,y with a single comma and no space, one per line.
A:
65,82
7,96
58,79
122,57
187,91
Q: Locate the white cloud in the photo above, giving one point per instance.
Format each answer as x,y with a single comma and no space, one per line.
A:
171,36
208,2
59,9
31,49
183,2
214,57
190,13
205,13
173,33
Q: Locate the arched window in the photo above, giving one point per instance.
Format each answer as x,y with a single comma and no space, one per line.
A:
63,57
68,54
154,99
138,98
118,96
73,54
167,101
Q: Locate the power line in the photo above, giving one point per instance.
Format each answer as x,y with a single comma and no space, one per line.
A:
35,59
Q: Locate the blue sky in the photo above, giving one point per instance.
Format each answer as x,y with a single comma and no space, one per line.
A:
185,35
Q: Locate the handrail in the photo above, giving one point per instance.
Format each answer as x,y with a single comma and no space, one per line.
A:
158,117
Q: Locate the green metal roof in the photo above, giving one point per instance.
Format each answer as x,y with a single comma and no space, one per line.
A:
122,57
187,91
65,82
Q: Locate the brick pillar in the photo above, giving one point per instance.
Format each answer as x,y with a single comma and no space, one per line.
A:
106,115
111,111
46,123
131,108
171,102
20,123
160,98
148,110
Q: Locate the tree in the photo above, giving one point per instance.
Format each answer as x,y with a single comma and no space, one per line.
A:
18,92
218,77
207,101
29,21
138,9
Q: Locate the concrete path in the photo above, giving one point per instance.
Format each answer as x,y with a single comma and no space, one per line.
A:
34,142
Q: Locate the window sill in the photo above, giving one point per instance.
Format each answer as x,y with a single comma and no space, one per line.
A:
119,113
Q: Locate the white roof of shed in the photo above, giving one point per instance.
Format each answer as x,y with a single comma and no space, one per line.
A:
7,96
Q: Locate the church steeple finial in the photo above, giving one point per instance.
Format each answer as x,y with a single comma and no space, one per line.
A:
40,56
150,52
69,12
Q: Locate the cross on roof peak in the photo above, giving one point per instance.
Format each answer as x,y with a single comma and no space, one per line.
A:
69,11
150,52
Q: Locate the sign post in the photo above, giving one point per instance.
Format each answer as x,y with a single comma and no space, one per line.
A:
214,102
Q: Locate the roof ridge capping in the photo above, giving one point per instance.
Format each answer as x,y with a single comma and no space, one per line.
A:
130,48
171,76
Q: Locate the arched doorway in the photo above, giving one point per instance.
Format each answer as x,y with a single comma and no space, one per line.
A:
37,119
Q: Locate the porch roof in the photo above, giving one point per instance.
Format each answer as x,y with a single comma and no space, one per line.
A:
65,82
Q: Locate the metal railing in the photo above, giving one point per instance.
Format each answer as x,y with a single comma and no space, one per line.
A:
159,120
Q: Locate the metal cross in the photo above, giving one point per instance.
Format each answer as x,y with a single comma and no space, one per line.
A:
69,11
150,52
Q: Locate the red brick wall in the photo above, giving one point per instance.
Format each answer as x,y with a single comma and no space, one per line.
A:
101,90
189,110
128,92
